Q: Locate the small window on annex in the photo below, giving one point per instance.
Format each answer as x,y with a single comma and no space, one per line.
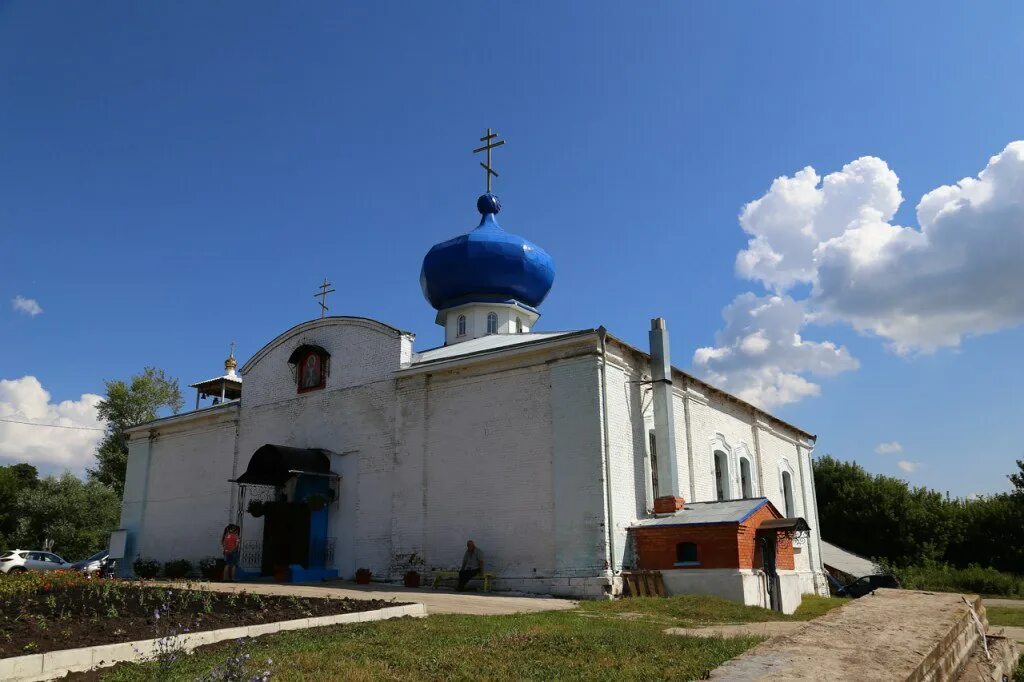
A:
492,323
310,367
686,554
461,328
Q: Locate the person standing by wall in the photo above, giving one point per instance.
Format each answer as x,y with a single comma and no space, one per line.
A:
229,542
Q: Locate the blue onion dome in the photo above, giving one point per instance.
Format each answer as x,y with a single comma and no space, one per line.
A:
486,265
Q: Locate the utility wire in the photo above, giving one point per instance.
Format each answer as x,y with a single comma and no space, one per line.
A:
52,426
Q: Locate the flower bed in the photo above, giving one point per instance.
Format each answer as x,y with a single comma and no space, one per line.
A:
42,612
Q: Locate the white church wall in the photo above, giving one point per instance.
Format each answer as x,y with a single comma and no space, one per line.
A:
353,416
578,487
627,457
488,470
189,496
362,351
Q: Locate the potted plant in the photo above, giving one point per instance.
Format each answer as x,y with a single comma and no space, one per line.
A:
257,508
412,576
211,568
363,576
146,568
316,502
178,568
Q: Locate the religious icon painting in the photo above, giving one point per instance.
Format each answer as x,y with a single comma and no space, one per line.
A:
311,374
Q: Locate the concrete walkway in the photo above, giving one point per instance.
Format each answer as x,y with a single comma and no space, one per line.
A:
435,601
1012,603
772,628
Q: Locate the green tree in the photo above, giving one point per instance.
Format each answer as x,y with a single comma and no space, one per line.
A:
127,405
77,515
14,480
1017,478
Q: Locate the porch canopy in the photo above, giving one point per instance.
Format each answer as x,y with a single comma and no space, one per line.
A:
275,464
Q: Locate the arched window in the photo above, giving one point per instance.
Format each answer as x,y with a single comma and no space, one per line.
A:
519,325
461,330
746,486
686,554
310,367
492,323
787,493
721,475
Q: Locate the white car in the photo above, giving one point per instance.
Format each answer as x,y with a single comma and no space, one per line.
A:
21,560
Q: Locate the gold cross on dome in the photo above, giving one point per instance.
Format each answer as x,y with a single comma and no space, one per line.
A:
322,295
490,142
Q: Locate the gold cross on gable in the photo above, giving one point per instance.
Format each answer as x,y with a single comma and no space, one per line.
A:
322,295
491,141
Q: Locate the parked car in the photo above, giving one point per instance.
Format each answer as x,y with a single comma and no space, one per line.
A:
868,584
21,560
92,565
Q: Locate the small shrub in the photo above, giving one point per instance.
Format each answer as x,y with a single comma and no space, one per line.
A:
179,568
146,568
940,577
208,568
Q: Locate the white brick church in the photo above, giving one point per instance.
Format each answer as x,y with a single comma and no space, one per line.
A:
340,446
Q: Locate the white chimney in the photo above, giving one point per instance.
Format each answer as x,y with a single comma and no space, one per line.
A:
669,499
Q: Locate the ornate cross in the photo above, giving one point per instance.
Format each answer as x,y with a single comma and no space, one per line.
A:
324,290
491,141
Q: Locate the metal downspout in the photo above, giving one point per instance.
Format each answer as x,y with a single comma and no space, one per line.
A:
606,458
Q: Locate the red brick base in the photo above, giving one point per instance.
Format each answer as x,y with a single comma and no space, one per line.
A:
668,504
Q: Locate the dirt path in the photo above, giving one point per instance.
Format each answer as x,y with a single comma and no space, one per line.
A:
1012,603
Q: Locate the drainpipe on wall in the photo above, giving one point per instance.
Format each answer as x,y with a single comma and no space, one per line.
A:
669,499
602,333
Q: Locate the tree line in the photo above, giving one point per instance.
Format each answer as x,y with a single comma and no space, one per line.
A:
883,517
77,516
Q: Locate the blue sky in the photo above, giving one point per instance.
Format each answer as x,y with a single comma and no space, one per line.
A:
177,176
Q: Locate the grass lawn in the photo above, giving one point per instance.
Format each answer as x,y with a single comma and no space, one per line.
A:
1005,615
600,640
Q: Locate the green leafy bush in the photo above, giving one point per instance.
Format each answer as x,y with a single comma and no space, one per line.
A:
940,577
146,568
179,568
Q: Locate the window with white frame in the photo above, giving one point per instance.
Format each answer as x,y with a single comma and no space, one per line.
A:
721,475
787,493
461,326
746,482
492,323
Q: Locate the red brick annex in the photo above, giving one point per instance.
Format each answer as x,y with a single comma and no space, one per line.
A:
739,549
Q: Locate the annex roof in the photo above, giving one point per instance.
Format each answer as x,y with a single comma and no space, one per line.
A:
703,513
846,561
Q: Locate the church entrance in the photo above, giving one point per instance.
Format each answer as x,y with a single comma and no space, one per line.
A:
285,496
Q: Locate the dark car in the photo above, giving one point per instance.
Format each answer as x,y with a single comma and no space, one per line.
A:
92,565
868,584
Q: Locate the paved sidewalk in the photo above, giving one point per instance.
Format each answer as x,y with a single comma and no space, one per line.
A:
1012,603
435,601
772,628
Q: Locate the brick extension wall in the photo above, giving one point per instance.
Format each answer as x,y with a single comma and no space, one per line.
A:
719,545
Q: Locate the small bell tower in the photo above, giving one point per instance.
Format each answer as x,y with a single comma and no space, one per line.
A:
221,389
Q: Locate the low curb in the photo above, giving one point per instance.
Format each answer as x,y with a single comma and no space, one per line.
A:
54,664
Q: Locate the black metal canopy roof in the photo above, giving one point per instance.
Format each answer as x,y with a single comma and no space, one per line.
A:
275,464
793,524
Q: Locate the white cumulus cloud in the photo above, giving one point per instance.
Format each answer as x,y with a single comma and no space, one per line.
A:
920,288
890,448
29,306
909,467
49,448
760,355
